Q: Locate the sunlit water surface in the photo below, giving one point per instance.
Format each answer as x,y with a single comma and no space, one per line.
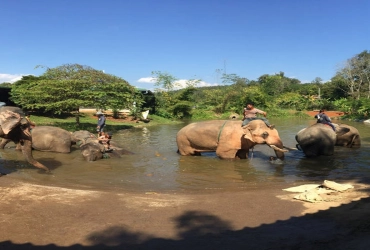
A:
156,166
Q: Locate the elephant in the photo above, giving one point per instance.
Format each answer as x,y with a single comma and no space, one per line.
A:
347,136
320,139
227,138
317,139
93,150
14,126
53,139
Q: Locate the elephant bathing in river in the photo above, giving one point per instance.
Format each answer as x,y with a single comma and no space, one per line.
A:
320,139
227,138
50,139
14,126
92,150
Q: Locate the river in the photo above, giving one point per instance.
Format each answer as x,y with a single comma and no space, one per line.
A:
156,166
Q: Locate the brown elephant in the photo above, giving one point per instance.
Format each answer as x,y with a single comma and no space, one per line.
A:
92,150
14,126
347,136
53,139
227,138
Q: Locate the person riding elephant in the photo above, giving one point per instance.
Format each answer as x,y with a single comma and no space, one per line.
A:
250,114
320,139
324,119
15,127
227,138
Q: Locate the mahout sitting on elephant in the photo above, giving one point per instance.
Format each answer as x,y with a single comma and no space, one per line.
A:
227,138
15,127
320,139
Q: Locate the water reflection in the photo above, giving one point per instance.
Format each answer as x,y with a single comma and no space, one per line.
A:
156,166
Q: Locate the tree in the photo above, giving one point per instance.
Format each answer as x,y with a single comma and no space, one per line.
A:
164,80
356,72
68,87
6,85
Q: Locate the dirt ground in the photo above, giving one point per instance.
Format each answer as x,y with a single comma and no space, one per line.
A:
39,217
331,114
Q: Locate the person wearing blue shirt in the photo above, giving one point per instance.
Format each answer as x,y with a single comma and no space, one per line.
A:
101,122
324,119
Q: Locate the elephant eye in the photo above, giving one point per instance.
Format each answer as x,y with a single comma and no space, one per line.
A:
265,135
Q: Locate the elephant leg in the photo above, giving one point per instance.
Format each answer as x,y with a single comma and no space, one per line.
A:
227,154
26,146
242,154
4,142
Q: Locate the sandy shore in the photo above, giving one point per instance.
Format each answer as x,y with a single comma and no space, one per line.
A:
39,217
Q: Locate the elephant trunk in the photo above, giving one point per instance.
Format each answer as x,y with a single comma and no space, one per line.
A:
26,147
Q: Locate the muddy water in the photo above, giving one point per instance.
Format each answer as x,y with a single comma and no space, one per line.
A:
156,167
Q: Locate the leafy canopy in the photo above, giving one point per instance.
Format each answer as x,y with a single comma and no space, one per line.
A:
68,87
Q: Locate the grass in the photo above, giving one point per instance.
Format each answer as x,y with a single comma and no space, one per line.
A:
88,122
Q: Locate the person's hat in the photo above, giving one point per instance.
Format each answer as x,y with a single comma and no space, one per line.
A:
99,113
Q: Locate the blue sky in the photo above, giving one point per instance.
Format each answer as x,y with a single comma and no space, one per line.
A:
189,39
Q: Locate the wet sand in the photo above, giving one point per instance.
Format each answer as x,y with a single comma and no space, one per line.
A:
39,217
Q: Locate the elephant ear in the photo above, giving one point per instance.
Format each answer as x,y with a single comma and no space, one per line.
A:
9,120
247,133
341,131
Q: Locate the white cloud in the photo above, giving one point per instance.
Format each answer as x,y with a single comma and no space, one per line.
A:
146,80
9,78
179,84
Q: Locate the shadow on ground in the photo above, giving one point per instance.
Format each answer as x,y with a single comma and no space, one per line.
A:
343,227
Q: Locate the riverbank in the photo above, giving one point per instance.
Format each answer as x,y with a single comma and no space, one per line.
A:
41,217
331,114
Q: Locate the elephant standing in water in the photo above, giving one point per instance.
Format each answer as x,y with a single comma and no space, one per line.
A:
54,139
14,126
50,139
320,139
227,138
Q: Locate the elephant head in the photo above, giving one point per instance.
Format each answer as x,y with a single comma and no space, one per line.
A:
92,150
14,126
257,132
347,136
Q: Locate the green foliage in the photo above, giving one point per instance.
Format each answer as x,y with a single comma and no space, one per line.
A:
6,85
182,109
66,88
202,114
164,80
293,101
